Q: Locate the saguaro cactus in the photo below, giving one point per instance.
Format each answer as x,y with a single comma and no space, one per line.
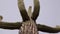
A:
29,20
29,26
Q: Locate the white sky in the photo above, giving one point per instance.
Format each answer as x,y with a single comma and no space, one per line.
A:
49,13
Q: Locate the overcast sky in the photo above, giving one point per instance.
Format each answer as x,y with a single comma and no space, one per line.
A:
49,13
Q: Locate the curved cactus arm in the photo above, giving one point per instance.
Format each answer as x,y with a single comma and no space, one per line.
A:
30,12
10,25
35,13
47,29
23,11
